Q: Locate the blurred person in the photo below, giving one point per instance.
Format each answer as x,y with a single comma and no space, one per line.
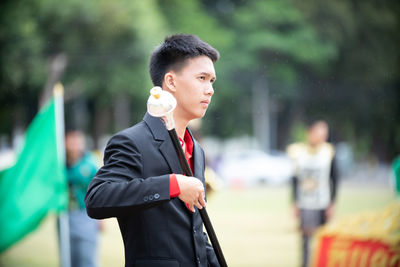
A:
314,184
81,168
140,185
213,181
396,172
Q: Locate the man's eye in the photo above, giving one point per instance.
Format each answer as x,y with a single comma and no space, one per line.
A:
202,77
212,80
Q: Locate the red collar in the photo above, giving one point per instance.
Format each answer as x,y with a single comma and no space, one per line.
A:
187,139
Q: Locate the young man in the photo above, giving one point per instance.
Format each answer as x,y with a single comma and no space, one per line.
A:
315,182
83,231
141,182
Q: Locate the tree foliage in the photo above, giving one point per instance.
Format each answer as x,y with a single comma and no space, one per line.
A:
337,60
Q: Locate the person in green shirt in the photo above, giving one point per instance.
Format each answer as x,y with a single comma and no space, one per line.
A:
396,171
81,168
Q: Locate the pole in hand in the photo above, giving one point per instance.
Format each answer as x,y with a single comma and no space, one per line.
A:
161,104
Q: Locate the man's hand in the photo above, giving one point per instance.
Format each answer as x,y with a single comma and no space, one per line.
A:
192,191
296,211
102,225
329,212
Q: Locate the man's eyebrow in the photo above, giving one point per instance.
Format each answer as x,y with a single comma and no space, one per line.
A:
207,74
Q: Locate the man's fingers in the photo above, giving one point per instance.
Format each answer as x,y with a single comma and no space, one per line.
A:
192,192
191,208
198,205
202,201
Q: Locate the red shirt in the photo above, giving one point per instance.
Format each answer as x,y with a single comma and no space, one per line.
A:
187,144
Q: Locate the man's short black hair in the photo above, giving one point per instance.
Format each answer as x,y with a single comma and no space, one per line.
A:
174,51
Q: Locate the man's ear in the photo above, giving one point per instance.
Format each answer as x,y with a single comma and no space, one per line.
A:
169,81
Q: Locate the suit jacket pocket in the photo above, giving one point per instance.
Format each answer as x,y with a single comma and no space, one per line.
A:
157,263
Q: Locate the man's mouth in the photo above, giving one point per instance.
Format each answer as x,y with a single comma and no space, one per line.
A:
205,103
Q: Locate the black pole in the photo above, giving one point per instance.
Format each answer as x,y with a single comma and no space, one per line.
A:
203,212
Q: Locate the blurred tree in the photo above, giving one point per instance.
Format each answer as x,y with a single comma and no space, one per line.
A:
309,59
104,45
192,16
360,94
281,61
273,42
22,70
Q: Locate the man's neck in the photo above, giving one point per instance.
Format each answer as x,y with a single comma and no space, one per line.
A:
180,125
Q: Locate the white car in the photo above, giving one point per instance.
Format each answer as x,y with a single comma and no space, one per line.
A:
252,167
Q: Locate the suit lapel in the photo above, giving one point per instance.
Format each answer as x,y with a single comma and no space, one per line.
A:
166,147
168,151
198,159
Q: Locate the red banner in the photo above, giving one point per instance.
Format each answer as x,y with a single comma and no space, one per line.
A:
334,251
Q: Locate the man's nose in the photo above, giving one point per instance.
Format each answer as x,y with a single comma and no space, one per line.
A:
209,90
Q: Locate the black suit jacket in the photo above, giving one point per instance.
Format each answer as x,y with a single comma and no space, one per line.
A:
133,185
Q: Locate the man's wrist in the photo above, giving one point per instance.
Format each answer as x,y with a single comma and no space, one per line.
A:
174,189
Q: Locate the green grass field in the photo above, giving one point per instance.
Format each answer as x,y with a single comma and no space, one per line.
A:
255,227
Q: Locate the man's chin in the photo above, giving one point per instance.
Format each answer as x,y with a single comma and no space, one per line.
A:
198,115
202,115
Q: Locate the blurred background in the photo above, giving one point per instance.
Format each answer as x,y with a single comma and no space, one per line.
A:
283,64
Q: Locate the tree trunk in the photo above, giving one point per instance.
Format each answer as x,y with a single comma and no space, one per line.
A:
261,116
101,125
122,112
56,70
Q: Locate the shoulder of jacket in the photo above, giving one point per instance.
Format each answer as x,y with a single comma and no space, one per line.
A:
132,132
138,127
131,135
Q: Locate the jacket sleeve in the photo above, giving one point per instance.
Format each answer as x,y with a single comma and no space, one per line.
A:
118,188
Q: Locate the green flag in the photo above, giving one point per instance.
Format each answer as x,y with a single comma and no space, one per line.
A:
36,184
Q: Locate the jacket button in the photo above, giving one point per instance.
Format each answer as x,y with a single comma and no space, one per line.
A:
194,230
198,260
156,196
151,197
146,198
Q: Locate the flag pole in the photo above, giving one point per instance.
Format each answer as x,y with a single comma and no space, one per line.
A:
63,225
